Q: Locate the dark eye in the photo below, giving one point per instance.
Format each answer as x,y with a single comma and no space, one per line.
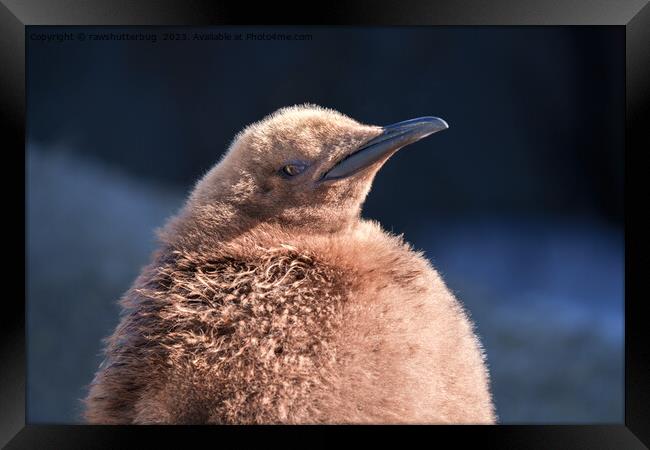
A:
291,170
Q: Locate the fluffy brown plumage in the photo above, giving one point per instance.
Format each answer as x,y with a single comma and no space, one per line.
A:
271,303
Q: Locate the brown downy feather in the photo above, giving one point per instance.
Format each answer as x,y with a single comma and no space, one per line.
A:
284,320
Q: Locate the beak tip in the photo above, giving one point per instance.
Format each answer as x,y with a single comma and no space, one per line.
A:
437,123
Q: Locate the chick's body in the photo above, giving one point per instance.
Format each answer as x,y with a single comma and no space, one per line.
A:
275,324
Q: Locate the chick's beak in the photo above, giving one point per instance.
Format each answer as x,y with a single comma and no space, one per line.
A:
392,138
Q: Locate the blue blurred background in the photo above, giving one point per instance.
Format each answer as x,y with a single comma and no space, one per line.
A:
519,204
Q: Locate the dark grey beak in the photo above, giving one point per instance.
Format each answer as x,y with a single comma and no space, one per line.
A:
392,139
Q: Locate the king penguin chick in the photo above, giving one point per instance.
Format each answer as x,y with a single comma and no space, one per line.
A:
270,300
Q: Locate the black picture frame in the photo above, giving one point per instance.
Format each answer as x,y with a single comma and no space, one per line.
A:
634,15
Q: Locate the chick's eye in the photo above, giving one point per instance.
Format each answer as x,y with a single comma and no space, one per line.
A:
292,169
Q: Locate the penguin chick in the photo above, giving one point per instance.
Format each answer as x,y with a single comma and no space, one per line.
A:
270,300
